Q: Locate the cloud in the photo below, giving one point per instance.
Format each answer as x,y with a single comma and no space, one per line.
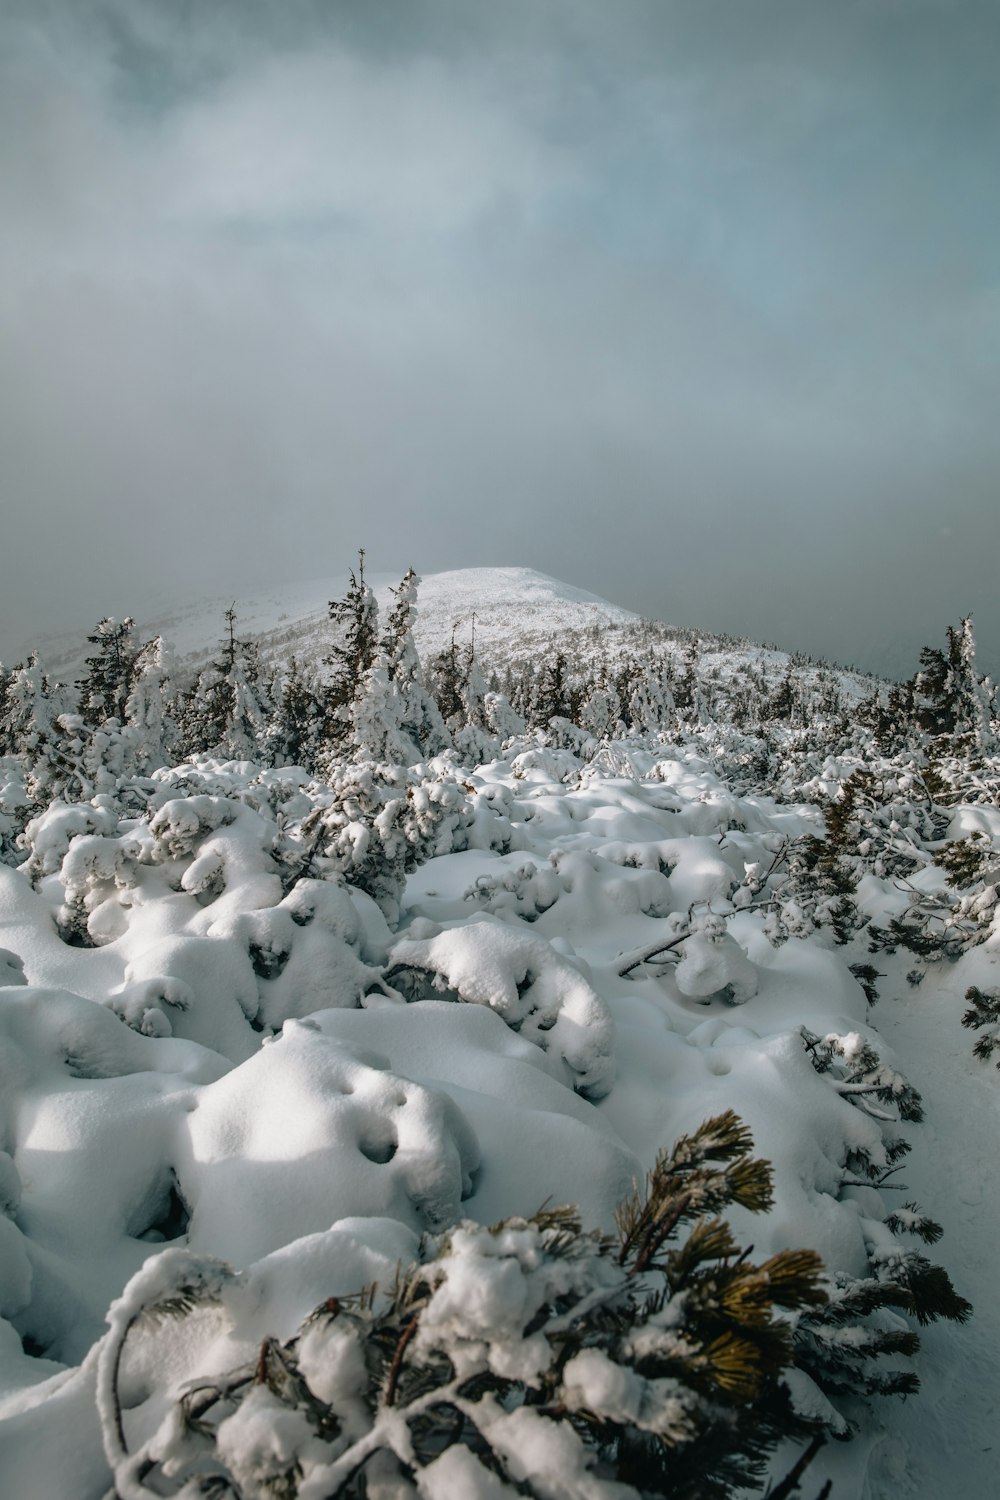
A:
693,305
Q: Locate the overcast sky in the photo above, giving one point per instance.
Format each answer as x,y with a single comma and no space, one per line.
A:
692,304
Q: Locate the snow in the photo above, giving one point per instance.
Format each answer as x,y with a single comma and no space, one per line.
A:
946,1433
210,1079
288,619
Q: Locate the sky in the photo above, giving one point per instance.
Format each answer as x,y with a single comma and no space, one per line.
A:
691,303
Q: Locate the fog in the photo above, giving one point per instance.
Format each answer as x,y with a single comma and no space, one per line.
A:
695,305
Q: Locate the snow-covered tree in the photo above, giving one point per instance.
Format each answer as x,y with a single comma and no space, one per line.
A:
352,652
382,821
31,731
105,689
948,696
447,676
146,708
227,713
419,716
294,734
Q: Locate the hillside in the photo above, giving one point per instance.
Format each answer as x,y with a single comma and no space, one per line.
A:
293,618
520,616
297,990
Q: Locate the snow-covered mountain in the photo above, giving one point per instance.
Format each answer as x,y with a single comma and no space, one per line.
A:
292,618
518,614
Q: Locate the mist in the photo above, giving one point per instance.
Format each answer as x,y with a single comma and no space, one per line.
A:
695,305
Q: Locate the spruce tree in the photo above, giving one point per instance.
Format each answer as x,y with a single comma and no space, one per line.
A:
227,713
295,731
352,653
146,706
419,716
448,682
551,694
105,689
948,696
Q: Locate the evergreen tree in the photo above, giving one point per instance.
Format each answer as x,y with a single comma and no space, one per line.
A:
295,731
448,682
228,712
948,696
419,716
651,702
685,688
6,683
374,730
146,706
105,689
352,653
602,708
657,1357
476,686
552,692
29,728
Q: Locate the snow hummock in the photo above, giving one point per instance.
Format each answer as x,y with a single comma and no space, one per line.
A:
211,1071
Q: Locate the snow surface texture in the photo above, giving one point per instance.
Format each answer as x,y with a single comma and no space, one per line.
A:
193,1058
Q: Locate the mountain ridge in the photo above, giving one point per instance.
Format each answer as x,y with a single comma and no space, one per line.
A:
517,613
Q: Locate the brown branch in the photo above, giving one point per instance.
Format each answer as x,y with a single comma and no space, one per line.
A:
392,1379
664,1229
790,1483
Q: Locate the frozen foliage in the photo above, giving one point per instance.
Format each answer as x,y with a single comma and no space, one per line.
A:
275,1012
533,988
531,1357
377,823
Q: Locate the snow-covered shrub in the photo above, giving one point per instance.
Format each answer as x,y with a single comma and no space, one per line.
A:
534,989
48,836
939,923
708,963
381,822
546,764
15,810
531,1358
858,1074
97,873
522,893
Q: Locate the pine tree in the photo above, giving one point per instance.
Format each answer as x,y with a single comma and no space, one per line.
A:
294,733
655,1361
948,696
419,715
227,713
146,708
352,653
105,689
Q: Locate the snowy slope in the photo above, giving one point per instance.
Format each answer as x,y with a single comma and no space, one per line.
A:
292,618
519,614
144,1113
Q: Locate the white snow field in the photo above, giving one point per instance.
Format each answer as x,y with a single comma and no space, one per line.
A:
235,1085
235,1070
